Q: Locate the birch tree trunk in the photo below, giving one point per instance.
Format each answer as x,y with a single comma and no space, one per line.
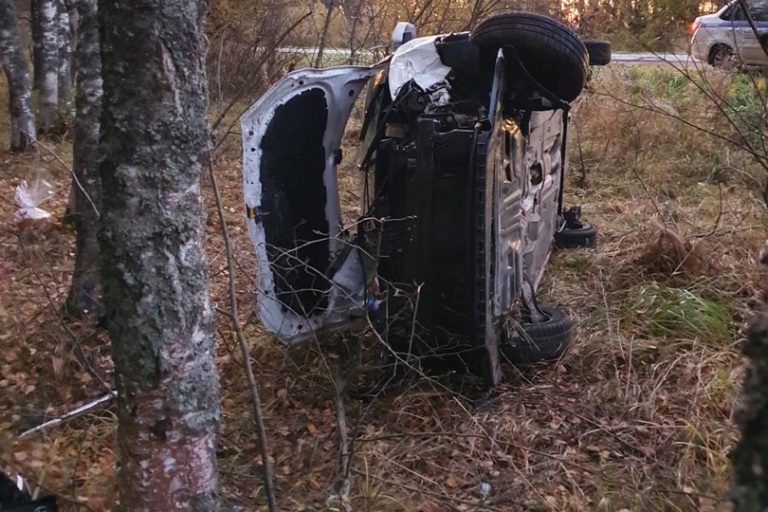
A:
154,141
19,86
37,41
65,38
85,290
49,64
72,7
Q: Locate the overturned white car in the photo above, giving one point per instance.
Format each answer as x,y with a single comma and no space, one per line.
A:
464,159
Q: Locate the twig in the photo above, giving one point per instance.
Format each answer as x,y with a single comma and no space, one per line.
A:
72,414
72,172
343,485
437,495
582,167
253,389
78,348
401,435
637,174
719,215
268,53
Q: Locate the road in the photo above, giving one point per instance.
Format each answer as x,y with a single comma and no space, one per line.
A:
638,58
654,58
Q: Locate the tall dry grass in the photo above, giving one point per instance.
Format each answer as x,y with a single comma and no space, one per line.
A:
637,416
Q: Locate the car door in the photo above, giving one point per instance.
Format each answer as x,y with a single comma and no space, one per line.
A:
310,274
735,26
752,52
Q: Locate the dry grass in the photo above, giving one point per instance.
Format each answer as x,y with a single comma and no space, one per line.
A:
638,416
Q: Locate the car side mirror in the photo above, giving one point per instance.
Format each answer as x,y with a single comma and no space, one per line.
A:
403,33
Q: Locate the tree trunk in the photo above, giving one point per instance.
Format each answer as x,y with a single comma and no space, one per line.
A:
37,40
85,289
19,87
65,38
154,141
324,34
49,65
72,7
750,457
354,18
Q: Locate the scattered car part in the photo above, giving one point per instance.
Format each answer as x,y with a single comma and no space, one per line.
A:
584,237
535,342
574,233
29,198
599,51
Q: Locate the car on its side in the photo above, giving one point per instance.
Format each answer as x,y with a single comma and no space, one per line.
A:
725,39
463,156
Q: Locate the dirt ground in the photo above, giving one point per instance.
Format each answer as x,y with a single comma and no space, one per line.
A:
637,416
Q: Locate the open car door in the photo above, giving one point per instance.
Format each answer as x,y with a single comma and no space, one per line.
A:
310,275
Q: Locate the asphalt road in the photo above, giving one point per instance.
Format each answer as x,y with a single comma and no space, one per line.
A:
638,58
651,58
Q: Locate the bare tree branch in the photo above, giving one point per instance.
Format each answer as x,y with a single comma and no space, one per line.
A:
253,389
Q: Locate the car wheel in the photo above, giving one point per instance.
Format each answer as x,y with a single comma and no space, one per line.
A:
599,51
551,52
581,237
544,341
721,56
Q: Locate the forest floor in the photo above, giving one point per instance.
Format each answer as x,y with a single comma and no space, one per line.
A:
638,416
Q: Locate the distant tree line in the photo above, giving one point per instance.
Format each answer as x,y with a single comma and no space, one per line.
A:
651,24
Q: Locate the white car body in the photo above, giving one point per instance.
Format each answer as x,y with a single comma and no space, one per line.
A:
727,37
529,205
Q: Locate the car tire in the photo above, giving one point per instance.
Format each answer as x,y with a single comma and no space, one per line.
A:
721,56
584,237
551,52
545,341
599,52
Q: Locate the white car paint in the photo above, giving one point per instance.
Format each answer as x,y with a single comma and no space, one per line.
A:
729,29
341,86
533,205
417,60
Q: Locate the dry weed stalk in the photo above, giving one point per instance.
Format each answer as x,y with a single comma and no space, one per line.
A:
671,254
253,389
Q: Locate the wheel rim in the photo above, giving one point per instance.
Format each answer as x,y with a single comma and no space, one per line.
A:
723,58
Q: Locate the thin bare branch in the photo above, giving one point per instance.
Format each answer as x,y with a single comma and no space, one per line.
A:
253,389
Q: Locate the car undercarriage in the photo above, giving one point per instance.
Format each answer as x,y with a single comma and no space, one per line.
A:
463,152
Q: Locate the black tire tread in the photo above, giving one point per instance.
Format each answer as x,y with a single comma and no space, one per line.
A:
545,341
497,28
585,237
600,51
538,39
